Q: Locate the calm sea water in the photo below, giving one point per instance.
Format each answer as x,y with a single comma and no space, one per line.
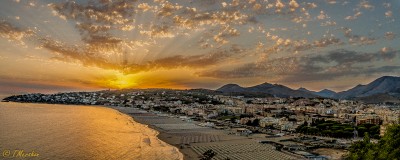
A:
76,132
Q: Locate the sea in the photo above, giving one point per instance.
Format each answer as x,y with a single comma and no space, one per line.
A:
49,131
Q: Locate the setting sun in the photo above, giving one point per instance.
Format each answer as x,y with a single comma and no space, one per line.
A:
122,81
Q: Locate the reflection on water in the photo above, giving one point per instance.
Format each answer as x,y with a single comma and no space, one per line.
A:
78,132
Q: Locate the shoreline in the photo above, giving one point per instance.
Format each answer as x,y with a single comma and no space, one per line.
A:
192,140
108,132
163,135
187,153
157,130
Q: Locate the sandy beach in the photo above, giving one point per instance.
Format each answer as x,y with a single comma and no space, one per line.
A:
193,140
163,125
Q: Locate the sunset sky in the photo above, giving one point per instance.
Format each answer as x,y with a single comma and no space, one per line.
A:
66,45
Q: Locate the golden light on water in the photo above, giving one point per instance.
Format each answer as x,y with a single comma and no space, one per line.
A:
103,133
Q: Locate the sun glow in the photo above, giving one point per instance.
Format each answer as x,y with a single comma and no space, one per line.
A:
172,78
122,81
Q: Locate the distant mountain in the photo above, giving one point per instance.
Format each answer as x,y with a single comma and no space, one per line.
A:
326,93
231,88
379,98
383,89
384,85
304,89
275,90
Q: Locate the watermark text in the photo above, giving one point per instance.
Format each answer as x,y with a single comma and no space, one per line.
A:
19,153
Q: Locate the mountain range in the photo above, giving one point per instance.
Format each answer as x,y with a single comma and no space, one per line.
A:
383,89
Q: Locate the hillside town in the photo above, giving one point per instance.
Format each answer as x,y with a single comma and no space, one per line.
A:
310,122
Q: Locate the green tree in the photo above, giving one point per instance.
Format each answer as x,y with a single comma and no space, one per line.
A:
388,146
361,150
305,123
208,155
255,122
249,123
233,120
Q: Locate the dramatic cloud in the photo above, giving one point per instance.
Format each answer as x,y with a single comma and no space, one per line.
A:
390,35
355,16
335,64
366,5
13,33
225,39
90,57
356,39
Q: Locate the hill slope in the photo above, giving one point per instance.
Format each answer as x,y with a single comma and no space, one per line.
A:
275,90
384,85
